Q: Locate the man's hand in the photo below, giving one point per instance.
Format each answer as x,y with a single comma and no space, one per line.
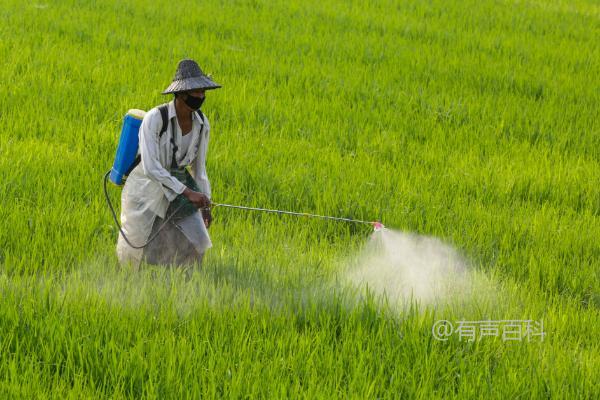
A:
207,217
200,200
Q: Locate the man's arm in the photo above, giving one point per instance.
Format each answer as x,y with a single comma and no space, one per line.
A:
199,170
199,162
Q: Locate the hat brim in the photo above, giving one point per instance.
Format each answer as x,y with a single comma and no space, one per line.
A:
199,82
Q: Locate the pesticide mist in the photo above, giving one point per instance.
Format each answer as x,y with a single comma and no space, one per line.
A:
404,267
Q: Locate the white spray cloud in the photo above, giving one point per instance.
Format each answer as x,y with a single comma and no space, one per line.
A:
404,267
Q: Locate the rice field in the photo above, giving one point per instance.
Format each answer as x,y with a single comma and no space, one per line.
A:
473,122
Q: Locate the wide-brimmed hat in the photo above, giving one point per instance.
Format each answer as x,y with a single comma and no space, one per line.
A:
189,76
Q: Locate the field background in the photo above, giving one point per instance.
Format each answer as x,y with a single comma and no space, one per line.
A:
476,122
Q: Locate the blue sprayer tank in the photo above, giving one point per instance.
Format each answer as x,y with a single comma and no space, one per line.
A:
128,145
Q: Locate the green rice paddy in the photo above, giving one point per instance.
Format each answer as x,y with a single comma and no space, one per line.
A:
476,122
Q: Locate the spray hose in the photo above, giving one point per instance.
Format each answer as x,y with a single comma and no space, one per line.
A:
114,215
375,224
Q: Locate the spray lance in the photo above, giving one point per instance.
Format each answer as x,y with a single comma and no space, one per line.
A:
125,160
377,226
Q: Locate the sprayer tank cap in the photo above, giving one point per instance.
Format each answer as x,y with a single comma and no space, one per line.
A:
137,114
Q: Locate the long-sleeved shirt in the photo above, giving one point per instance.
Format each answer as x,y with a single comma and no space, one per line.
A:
157,152
150,187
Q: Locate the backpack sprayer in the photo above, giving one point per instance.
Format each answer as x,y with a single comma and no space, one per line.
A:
127,157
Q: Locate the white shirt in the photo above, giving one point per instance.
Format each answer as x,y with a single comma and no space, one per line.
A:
156,156
185,142
150,187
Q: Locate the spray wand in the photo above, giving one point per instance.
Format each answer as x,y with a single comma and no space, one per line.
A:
376,225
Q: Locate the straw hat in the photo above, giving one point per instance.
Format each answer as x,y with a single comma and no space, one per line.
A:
189,76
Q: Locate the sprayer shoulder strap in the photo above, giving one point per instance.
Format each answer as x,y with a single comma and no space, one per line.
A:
200,115
164,113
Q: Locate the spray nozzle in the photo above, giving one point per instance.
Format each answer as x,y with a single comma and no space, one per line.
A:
377,226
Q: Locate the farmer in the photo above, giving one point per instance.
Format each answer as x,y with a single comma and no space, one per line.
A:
161,197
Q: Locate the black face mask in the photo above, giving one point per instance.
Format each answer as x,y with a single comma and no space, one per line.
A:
194,102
